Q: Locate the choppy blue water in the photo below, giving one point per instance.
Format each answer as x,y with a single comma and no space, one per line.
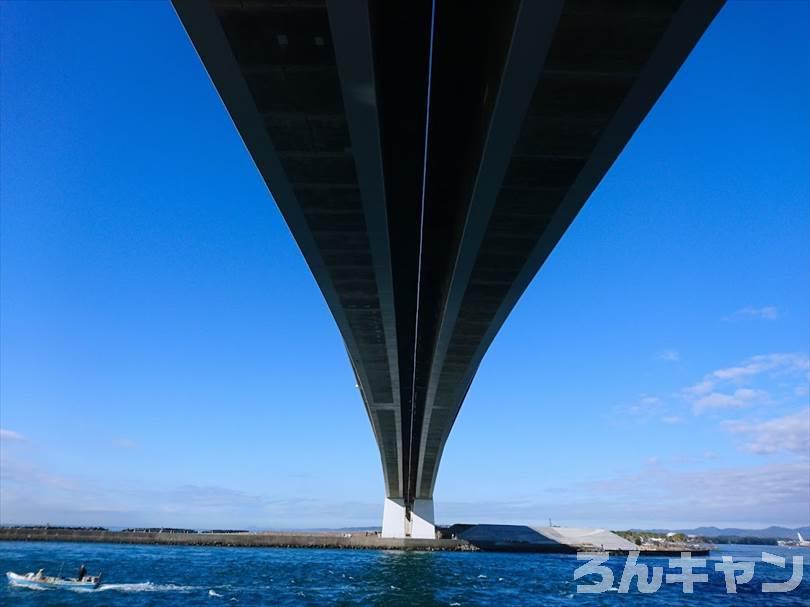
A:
160,575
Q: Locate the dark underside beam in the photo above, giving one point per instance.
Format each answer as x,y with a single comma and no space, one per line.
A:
530,103
607,64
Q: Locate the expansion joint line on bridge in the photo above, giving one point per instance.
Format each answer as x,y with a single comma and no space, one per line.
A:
409,499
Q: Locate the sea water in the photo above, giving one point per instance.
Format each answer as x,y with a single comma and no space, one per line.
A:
162,575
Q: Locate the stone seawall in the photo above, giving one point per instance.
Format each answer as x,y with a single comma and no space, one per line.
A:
303,539
261,539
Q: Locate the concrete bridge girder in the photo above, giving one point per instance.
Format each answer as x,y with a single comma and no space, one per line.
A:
427,157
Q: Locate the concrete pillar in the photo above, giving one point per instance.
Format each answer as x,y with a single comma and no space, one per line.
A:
396,525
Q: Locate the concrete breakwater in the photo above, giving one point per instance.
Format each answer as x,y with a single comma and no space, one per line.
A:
277,539
488,538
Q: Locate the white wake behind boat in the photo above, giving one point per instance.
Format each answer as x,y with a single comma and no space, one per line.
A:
41,582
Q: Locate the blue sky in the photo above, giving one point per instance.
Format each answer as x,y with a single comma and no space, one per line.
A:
167,358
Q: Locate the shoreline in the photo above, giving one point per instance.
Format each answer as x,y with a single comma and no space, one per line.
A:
262,539
300,539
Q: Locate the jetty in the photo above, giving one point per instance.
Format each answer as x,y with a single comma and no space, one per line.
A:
459,538
252,539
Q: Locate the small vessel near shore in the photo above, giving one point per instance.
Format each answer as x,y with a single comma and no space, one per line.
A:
41,581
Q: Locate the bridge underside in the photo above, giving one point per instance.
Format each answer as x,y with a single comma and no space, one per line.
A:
427,158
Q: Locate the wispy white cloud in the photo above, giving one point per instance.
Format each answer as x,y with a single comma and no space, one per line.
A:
124,443
741,397
649,401
789,433
730,387
752,313
702,387
33,495
644,408
10,435
669,355
28,476
778,363
659,495
766,379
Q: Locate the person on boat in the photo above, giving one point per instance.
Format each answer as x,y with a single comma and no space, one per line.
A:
82,573
40,575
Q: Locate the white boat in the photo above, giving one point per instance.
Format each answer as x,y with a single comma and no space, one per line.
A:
40,581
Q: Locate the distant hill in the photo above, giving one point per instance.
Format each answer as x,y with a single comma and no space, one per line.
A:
779,533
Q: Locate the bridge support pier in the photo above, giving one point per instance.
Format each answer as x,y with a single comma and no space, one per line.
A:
396,523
